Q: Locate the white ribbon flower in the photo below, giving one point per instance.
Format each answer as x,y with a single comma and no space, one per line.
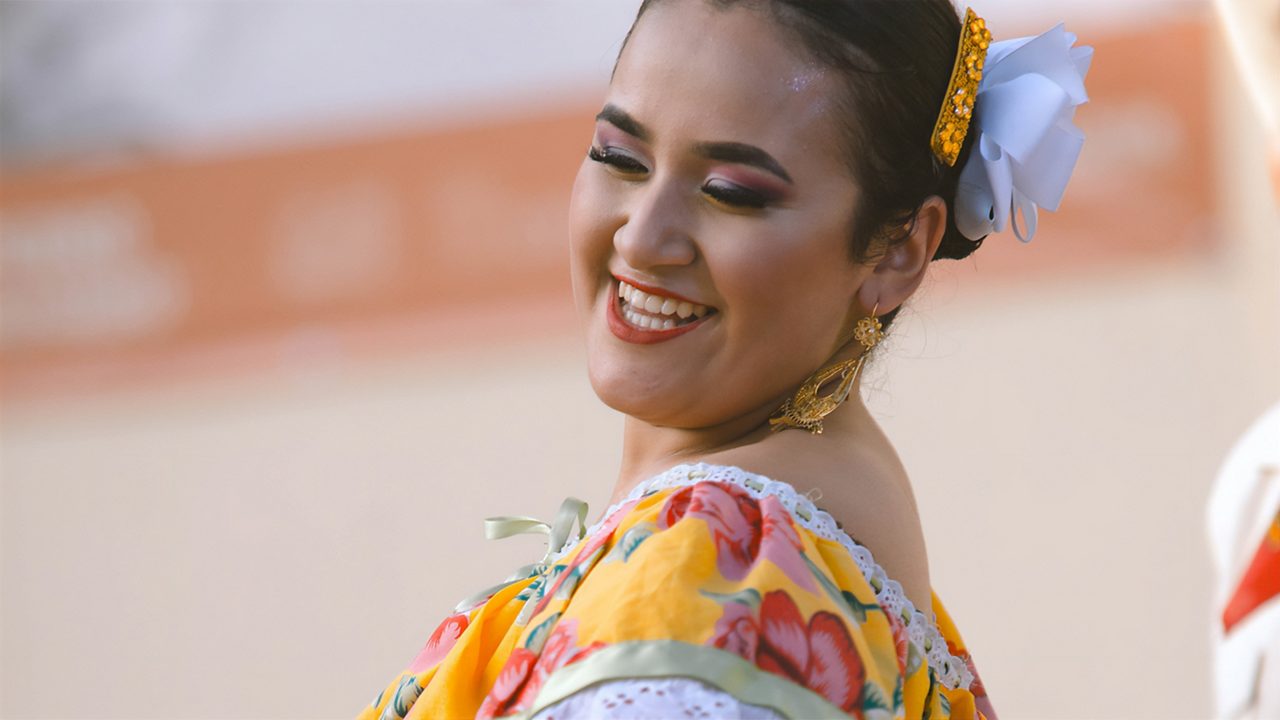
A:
1027,145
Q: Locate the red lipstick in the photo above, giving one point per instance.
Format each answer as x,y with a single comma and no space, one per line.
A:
653,290
627,332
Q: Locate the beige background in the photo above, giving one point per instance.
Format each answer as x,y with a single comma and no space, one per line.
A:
278,541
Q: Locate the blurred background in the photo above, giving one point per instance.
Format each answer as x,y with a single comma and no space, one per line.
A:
285,313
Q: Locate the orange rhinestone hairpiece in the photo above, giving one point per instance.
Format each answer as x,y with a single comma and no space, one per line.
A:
957,109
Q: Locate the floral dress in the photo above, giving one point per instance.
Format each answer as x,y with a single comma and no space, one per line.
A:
708,592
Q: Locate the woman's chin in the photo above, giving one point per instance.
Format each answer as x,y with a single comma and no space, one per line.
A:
680,406
628,395
647,400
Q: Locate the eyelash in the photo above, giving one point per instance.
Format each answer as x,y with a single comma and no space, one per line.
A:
732,196
619,161
737,197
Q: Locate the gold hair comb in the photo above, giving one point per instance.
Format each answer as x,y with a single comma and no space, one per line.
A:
957,109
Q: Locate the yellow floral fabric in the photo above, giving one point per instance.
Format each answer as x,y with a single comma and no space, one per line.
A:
707,579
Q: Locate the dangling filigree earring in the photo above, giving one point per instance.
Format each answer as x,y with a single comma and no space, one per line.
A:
806,408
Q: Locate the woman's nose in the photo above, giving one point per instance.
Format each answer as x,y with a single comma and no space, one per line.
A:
657,230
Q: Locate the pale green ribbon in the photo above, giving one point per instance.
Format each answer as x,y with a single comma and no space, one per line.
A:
558,534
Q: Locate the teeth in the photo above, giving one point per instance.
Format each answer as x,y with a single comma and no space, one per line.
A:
648,322
659,305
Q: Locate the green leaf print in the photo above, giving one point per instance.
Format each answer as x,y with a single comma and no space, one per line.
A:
857,607
406,694
565,590
749,597
873,698
929,697
841,597
631,540
531,589
537,637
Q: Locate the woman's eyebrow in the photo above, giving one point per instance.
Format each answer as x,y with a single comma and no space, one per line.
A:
619,118
742,154
733,152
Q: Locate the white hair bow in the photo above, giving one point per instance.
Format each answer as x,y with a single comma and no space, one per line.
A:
1027,145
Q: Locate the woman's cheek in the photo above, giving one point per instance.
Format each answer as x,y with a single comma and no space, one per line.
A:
589,235
781,291
593,214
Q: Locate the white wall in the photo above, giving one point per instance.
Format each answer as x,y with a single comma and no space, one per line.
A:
280,547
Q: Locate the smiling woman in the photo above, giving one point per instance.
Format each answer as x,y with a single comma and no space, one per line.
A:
766,185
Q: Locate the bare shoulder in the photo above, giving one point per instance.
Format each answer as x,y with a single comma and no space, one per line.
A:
872,499
866,489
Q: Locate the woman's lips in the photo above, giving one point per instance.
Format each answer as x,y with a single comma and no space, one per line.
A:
637,316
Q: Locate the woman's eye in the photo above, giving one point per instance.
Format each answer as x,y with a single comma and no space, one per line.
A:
735,196
619,161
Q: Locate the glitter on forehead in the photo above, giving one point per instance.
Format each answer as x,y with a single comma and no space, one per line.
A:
801,82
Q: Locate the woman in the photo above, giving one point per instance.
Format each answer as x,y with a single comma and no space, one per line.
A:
766,185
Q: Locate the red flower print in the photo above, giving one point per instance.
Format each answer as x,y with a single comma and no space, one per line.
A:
737,631
561,649
900,640
778,524
524,672
819,655
439,644
675,507
744,529
835,669
514,673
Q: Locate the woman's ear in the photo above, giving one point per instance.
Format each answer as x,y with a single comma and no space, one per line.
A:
900,270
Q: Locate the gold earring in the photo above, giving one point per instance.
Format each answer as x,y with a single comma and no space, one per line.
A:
806,408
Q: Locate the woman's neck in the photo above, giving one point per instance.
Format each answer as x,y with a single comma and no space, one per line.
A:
649,449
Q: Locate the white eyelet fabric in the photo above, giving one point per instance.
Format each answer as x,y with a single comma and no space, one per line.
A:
649,698
921,629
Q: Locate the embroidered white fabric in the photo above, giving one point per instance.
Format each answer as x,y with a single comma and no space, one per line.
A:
921,629
648,698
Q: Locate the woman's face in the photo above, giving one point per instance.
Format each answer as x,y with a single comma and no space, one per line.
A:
711,220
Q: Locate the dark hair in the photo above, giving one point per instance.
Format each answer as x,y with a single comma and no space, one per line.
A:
896,58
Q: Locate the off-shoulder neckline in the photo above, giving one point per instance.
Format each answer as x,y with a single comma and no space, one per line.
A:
922,629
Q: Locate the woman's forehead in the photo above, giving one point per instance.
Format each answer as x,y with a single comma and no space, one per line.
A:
691,67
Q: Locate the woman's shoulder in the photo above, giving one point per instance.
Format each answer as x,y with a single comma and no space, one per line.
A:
748,564
873,524
866,492
706,572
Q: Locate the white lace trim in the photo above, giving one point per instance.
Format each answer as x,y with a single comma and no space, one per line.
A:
647,698
921,629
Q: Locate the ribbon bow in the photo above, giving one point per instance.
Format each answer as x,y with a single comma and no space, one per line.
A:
558,535
1027,145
